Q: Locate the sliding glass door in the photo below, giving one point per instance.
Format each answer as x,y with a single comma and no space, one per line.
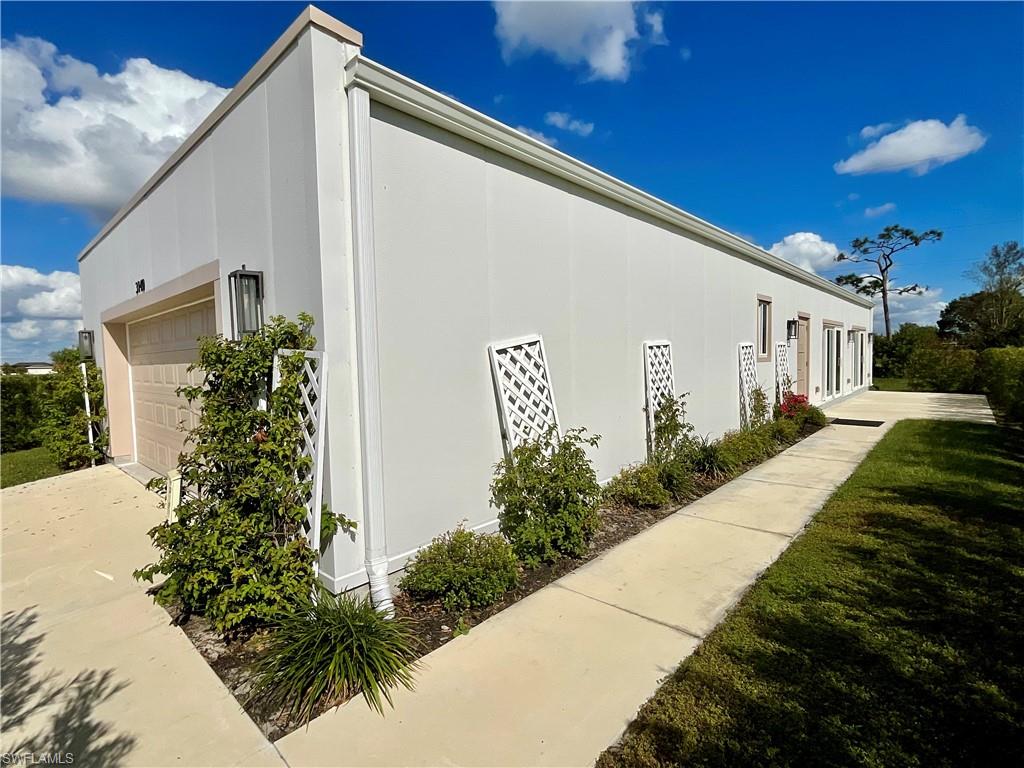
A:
832,355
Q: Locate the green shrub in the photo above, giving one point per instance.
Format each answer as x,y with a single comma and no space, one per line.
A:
747,446
463,569
323,650
892,355
672,447
63,426
548,494
760,413
1001,377
815,417
786,430
942,367
237,552
707,458
637,486
20,409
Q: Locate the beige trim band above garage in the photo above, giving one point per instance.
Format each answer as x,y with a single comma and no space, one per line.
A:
194,285
310,16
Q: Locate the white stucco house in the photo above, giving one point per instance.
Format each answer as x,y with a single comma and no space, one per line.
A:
468,283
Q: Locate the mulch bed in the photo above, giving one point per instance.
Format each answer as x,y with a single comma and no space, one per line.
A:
232,657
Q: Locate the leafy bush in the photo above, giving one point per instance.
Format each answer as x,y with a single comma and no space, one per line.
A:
942,368
786,430
1001,377
891,355
672,447
20,409
794,406
747,446
548,494
464,569
325,649
815,417
237,552
707,459
637,486
63,425
759,410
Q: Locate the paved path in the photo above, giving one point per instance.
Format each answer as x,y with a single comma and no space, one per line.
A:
554,679
90,665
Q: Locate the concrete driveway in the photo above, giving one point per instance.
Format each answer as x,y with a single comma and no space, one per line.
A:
91,666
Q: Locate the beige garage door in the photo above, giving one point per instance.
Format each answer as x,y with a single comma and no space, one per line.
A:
161,349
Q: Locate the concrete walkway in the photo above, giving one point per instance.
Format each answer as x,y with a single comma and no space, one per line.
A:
90,665
554,679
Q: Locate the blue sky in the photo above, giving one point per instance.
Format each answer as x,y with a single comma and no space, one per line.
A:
743,114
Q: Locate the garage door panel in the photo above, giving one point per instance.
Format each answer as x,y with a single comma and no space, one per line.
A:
162,350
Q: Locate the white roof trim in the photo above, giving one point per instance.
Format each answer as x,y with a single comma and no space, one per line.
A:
406,95
310,16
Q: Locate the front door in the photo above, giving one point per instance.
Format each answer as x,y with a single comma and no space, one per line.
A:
803,357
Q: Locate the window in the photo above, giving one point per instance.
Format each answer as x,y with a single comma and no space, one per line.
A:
764,329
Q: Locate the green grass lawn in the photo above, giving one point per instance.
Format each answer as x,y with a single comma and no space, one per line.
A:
19,467
890,633
893,385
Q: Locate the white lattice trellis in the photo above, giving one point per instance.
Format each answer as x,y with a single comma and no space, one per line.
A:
748,381
783,378
522,383
312,390
659,381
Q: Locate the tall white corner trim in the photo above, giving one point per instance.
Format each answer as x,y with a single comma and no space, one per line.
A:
368,348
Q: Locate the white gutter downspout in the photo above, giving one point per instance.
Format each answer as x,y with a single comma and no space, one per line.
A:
367,352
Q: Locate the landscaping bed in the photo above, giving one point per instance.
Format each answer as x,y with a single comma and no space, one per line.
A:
232,656
889,633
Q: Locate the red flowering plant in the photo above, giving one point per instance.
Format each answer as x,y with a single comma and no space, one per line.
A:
794,406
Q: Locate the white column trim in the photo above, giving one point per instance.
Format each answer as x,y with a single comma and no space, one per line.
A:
368,351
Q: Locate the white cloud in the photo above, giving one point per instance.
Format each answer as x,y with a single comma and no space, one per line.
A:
603,36
871,131
567,122
685,54
807,250
853,196
74,136
537,135
40,311
879,210
919,146
922,310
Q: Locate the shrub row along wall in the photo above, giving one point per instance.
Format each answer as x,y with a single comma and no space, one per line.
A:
19,411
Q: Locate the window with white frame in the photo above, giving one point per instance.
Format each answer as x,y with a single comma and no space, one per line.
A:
764,329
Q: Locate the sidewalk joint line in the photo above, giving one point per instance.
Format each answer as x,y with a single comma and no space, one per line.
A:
823,458
792,485
740,525
676,627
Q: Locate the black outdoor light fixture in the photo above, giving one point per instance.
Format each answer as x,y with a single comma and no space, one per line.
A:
246,288
851,336
792,329
86,346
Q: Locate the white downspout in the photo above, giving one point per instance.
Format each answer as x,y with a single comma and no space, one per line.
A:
367,352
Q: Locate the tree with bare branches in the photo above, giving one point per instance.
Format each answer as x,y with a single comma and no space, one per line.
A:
881,251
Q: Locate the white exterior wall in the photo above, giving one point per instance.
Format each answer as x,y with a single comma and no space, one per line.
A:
474,248
265,188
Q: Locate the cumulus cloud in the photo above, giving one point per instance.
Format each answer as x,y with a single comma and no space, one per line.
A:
922,310
72,135
40,311
879,210
806,250
549,140
919,147
605,37
872,131
567,122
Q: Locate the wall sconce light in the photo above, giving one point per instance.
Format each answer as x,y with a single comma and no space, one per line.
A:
792,329
871,337
246,295
851,336
86,346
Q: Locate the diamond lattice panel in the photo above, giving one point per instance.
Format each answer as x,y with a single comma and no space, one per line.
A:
659,381
523,385
748,380
312,389
783,379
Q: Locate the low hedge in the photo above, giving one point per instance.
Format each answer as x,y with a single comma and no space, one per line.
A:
943,368
1001,377
20,410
